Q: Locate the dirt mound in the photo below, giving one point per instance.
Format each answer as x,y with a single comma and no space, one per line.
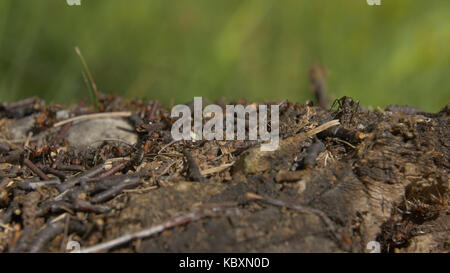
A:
342,180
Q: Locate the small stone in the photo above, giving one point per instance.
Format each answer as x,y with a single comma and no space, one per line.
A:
93,132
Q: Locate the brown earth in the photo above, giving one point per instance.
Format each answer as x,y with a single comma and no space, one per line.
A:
379,175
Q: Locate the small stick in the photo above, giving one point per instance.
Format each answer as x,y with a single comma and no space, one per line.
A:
167,145
29,186
35,169
92,116
57,173
70,168
141,190
317,77
323,127
96,185
216,169
94,171
345,142
193,169
104,196
85,206
92,185
344,133
113,170
28,139
60,196
89,75
167,168
62,133
67,185
46,235
176,221
153,111
21,103
66,231
51,231
20,140
23,242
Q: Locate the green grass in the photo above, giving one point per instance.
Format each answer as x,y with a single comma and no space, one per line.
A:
397,53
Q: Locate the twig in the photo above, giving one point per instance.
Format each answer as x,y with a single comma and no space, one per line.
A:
66,232
89,87
21,103
28,139
57,173
343,133
91,116
89,75
217,169
167,168
46,235
141,190
345,142
29,186
117,159
323,127
83,205
62,133
51,231
70,168
96,185
193,169
176,221
317,77
94,171
167,145
35,169
19,140
114,169
153,111
128,183
72,182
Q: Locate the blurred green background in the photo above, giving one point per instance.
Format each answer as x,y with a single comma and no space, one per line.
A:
396,53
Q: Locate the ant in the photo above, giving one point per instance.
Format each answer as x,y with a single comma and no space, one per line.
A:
345,106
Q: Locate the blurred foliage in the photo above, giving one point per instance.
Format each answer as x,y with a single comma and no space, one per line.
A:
396,53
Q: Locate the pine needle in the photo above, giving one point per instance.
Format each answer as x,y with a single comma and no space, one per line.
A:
88,76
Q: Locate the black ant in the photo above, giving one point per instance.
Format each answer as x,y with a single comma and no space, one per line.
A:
345,106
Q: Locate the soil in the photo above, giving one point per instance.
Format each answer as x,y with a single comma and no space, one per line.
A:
376,176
